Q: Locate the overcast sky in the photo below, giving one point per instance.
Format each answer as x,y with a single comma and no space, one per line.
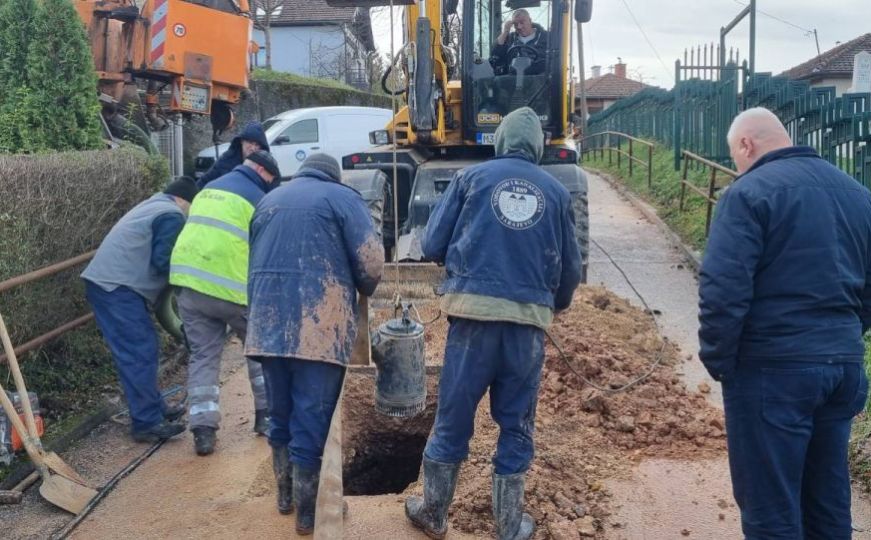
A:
673,25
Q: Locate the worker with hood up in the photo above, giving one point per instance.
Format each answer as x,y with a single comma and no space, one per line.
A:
505,231
250,140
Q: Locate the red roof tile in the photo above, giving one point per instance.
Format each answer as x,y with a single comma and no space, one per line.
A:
610,86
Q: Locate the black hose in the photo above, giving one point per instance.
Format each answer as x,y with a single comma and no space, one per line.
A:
384,84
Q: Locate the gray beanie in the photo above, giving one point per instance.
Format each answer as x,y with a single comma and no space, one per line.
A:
324,163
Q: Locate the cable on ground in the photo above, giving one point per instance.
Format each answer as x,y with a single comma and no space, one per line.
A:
658,359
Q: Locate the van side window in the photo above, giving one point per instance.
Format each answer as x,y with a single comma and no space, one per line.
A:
304,131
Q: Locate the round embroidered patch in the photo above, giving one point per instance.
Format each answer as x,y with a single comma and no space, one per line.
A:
518,204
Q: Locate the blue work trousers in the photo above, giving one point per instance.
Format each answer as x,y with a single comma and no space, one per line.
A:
506,358
302,396
787,426
124,320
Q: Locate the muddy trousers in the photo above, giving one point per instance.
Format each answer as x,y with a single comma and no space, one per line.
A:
205,321
302,397
506,358
787,426
123,319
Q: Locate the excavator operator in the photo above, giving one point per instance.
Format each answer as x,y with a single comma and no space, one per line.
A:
529,39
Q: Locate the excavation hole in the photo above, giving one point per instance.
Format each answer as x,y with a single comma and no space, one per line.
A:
381,455
389,465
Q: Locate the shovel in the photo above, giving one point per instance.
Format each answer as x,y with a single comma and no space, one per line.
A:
66,489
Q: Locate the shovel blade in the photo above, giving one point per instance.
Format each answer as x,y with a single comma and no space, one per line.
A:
64,493
56,464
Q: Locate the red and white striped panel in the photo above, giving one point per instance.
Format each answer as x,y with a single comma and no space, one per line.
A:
158,32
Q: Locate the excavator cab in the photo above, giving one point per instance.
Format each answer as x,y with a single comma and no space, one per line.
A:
503,72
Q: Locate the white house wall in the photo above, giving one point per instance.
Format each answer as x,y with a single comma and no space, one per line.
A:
292,48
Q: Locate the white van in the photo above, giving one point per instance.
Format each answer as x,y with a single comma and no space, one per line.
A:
294,135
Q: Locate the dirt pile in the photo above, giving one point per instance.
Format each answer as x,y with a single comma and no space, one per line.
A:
585,435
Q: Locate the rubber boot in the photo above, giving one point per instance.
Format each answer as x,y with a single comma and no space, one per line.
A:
511,522
305,495
430,512
261,422
204,440
283,478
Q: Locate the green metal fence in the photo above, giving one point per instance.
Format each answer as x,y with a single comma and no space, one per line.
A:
696,114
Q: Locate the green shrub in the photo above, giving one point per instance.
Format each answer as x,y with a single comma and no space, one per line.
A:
54,207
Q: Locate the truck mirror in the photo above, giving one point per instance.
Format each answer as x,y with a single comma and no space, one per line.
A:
583,10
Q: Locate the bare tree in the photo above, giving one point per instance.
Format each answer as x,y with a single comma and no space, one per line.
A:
265,12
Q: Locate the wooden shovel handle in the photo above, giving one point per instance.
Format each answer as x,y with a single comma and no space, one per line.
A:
32,450
19,381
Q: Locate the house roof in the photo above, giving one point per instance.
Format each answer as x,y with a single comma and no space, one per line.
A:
317,12
610,86
307,12
836,62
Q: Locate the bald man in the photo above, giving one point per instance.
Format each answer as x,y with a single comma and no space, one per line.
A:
785,296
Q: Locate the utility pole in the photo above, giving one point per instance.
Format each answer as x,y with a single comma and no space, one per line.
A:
582,91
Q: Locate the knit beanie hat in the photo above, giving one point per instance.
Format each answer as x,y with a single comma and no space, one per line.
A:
183,187
324,163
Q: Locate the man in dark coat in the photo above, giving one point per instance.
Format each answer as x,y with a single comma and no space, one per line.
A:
250,140
505,231
785,296
314,247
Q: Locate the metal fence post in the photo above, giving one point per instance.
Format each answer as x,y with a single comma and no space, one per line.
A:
710,201
683,184
649,167
619,153
630,158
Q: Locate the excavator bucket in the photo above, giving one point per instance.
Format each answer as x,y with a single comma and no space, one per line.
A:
369,3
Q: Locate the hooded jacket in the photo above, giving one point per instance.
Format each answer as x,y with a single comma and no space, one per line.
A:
787,269
313,247
505,230
232,158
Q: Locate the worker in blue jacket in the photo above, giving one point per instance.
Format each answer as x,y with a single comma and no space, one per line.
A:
505,231
250,140
314,247
785,296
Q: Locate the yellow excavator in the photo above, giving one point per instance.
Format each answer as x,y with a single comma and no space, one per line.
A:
459,84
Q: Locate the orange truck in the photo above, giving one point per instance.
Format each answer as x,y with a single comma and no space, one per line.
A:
196,51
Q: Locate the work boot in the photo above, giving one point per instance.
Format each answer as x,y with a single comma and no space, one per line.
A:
430,512
173,412
204,440
283,478
159,432
511,522
305,495
261,422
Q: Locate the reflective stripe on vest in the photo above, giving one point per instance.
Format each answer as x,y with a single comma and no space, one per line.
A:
211,253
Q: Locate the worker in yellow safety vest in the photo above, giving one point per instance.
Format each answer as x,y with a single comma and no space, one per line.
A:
210,266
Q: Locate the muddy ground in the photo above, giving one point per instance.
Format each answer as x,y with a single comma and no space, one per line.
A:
585,436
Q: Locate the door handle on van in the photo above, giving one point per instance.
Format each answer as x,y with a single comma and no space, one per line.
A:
315,148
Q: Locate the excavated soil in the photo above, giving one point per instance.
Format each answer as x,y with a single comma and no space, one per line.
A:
585,435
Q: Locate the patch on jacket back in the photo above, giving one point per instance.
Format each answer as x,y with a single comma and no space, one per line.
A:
518,204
